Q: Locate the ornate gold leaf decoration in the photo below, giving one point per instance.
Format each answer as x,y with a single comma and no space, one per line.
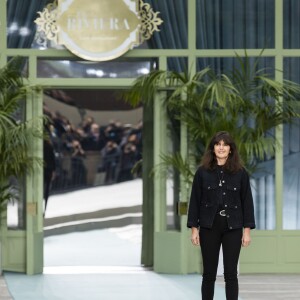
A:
47,22
149,20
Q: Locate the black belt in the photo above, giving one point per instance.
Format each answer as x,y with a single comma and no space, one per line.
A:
222,213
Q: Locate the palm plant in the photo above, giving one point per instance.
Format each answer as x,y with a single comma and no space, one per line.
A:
247,102
15,134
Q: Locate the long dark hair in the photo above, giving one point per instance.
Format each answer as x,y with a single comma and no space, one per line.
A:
233,162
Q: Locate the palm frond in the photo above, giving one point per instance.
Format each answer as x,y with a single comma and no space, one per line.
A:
16,136
145,87
247,102
8,194
170,161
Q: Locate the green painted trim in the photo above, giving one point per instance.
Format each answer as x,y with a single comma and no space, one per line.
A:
39,173
3,22
279,25
279,179
34,196
13,252
275,233
183,197
192,31
286,232
192,28
56,53
162,63
3,60
3,39
175,254
29,195
272,252
160,123
152,53
32,68
117,83
279,129
160,206
168,255
189,252
15,233
184,154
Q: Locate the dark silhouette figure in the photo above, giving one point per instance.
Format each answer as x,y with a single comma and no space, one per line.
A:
49,169
110,161
128,160
78,168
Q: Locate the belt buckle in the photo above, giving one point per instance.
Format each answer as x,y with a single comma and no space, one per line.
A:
222,213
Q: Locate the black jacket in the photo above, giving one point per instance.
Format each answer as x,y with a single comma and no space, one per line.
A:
236,197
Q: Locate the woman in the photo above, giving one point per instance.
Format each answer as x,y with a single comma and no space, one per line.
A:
221,213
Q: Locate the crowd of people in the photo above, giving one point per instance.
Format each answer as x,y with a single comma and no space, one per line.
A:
119,147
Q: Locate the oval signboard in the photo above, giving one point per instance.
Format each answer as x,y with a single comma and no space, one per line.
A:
96,30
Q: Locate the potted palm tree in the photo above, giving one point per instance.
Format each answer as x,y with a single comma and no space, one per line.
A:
247,101
15,133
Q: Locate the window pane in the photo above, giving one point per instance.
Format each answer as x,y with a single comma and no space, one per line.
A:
21,28
291,21
22,65
262,184
173,30
49,68
226,65
177,64
173,181
231,24
291,170
96,136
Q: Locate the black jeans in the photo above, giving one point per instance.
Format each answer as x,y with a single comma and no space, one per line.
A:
211,241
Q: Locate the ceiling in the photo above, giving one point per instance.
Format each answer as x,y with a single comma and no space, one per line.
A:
110,100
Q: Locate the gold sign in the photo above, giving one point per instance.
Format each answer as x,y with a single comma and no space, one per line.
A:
98,30
182,208
32,209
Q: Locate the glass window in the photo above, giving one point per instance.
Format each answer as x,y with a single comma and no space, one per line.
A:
291,21
262,185
177,64
96,137
173,181
173,31
232,24
16,215
22,65
291,168
49,68
228,64
21,28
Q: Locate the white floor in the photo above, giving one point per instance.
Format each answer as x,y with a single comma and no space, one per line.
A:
100,264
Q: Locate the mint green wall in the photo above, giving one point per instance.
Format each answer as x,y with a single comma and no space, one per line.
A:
271,251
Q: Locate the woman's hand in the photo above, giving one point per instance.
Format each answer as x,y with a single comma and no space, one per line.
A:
195,236
246,239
